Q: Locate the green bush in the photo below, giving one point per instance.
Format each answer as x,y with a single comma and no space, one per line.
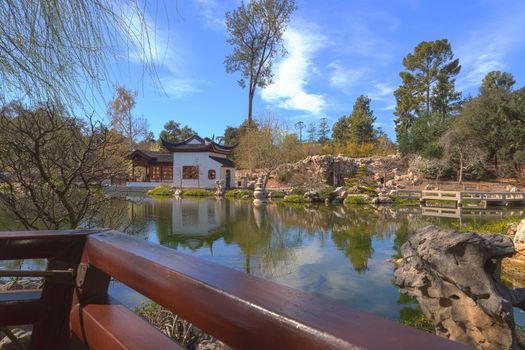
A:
355,200
327,193
299,191
197,193
500,226
161,190
238,194
278,194
401,201
294,198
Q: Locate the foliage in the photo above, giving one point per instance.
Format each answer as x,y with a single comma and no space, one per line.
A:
197,192
415,318
282,176
311,130
161,191
327,193
354,199
294,198
53,166
427,89
170,324
360,183
323,130
255,32
277,194
500,226
173,132
64,50
239,194
123,121
402,201
298,191
267,147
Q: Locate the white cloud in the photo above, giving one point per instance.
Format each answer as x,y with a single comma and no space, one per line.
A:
344,78
212,14
180,87
293,72
381,91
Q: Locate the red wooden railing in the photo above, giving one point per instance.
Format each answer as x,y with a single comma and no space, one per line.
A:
243,311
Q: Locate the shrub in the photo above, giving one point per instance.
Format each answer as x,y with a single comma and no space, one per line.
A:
238,194
500,226
197,193
299,191
282,176
400,201
278,194
355,200
327,193
161,190
294,198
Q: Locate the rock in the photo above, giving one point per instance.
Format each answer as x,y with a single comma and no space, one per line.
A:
251,185
220,188
390,183
312,196
177,193
339,190
455,278
380,200
519,236
429,187
22,335
211,344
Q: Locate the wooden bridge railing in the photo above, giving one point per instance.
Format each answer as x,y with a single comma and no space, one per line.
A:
243,311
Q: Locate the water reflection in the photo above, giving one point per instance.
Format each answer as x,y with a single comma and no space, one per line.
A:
331,251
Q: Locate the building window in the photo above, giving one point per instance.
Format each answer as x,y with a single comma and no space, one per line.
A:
211,174
190,172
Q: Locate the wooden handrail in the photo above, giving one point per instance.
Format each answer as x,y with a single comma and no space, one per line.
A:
243,311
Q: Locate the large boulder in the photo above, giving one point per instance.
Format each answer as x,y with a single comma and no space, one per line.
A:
519,236
455,278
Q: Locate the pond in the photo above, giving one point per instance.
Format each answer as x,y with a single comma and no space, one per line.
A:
333,252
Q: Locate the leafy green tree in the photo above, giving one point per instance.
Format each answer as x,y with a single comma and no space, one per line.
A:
428,87
255,31
173,132
340,130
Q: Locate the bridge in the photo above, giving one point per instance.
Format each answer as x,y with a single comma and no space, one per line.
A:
475,199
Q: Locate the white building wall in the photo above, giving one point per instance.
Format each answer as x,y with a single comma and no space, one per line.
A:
200,159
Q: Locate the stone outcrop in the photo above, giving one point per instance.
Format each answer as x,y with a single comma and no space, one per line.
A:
332,170
455,278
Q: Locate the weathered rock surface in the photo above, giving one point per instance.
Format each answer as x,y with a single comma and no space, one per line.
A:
332,170
519,236
24,336
455,278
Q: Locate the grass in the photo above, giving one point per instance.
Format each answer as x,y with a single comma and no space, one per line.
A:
238,194
327,193
500,226
161,191
402,201
300,191
197,193
278,194
352,200
294,198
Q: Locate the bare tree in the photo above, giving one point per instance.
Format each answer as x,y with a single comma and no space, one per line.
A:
63,50
53,166
265,148
300,126
462,151
255,32
133,128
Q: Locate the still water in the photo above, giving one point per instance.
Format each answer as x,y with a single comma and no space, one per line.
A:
330,251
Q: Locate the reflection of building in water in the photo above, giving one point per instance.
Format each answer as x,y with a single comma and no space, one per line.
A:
198,223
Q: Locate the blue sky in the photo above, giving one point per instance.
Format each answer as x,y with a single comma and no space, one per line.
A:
337,50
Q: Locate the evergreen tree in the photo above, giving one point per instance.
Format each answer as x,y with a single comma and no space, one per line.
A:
361,122
428,87
323,130
174,133
311,131
340,130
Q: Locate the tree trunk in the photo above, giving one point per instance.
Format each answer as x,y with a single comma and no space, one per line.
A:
460,177
250,106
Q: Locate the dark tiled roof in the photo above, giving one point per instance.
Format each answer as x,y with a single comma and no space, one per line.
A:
226,163
152,156
204,145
